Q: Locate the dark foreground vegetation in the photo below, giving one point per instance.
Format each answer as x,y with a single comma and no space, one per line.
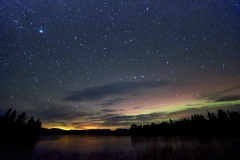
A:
18,131
19,126
223,124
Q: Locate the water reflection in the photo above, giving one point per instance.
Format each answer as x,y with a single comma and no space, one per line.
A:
69,145
84,144
87,144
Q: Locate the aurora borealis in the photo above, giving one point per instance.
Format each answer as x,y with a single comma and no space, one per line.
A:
80,64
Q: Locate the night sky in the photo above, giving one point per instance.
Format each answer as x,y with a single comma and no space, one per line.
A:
85,64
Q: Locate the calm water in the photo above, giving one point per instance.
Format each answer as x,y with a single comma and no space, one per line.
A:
87,144
57,146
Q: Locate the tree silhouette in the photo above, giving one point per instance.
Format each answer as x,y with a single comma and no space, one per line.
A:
224,123
21,120
222,116
13,127
7,114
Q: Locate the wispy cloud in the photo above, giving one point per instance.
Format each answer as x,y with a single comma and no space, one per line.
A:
228,98
229,94
114,101
131,119
137,107
118,88
56,112
110,110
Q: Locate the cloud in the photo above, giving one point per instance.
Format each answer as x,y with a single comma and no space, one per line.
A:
111,102
57,113
127,120
228,98
118,88
137,107
110,110
223,95
198,104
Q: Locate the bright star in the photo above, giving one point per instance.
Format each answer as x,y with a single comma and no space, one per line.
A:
40,31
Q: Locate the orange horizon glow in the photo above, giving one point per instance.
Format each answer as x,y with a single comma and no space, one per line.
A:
82,128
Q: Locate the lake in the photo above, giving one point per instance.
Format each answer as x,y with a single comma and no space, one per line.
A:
126,148
86,144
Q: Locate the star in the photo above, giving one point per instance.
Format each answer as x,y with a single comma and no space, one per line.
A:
41,31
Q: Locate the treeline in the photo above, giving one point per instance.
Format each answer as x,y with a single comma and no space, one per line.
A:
18,126
224,123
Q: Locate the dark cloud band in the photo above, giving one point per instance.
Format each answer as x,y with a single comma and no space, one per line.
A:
119,88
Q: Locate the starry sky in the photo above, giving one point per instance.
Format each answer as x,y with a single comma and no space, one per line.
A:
87,64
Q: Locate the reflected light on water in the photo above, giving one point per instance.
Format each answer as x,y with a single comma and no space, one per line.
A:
84,144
